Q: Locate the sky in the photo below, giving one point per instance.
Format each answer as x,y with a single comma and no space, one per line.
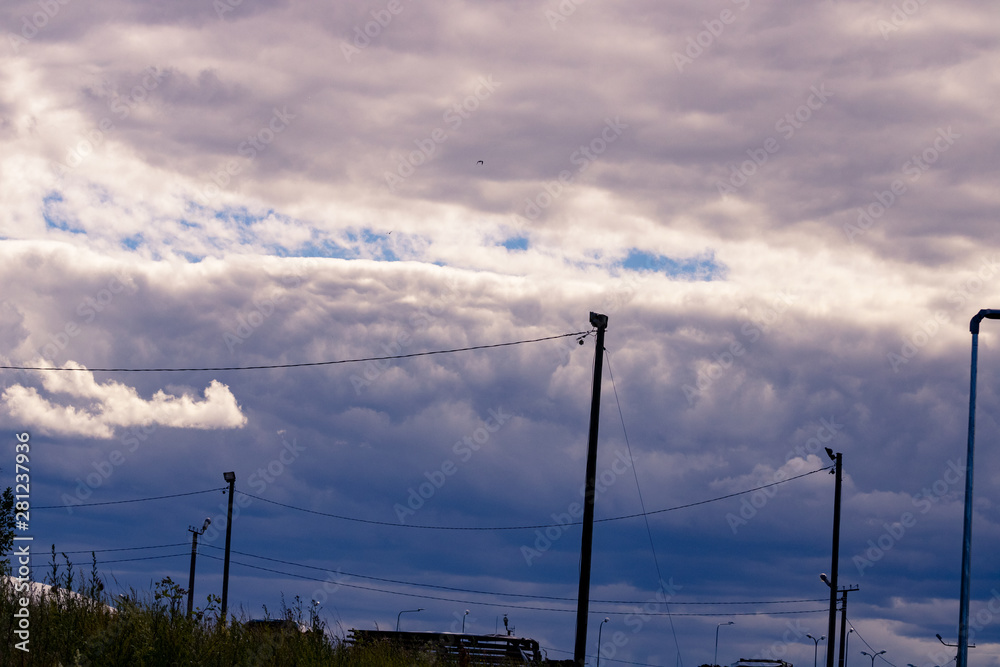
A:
785,209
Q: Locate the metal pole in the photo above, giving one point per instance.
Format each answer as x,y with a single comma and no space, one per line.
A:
231,478
962,659
832,630
583,598
715,660
194,550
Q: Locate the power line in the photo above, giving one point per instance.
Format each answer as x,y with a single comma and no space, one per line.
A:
531,527
504,605
642,506
157,546
478,592
298,365
134,500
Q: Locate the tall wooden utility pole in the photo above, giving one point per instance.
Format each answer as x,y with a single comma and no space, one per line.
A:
583,599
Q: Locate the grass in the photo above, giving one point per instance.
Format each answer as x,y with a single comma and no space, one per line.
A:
153,630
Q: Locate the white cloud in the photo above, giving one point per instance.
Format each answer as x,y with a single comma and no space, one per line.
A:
100,408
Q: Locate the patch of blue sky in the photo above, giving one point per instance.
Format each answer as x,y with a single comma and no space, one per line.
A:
133,242
702,267
515,243
55,217
319,248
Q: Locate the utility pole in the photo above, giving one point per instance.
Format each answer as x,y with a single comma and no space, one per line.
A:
194,550
843,624
583,598
231,478
835,566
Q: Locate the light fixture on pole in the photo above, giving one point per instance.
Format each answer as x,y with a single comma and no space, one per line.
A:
847,640
405,611
715,661
606,619
194,550
815,646
962,657
463,620
873,656
230,477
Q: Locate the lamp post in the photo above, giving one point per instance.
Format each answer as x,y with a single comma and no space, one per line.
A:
715,661
847,640
815,646
231,478
606,619
963,605
194,550
872,656
463,621
406,611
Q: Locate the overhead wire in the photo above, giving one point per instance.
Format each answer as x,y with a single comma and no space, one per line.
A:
480,592
503,605
132,500
294,365
642,505
533,526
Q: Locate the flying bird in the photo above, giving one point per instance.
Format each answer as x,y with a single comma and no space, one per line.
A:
480,162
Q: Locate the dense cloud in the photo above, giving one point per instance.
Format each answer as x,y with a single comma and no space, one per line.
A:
785,210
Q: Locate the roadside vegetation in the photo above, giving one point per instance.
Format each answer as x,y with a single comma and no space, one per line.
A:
152,630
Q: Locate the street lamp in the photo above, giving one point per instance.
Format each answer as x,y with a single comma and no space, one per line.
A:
606,619
407,611
815,646
463,621
962,656
847,641
716,660
873,656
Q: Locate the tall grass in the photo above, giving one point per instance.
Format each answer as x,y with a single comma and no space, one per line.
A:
153,630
